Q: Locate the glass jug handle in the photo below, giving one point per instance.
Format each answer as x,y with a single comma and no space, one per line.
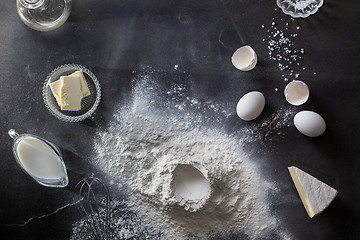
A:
13,134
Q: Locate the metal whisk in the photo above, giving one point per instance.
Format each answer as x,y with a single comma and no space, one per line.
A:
95,193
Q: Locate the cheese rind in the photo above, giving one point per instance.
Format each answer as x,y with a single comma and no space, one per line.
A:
315,195
84,87
70,93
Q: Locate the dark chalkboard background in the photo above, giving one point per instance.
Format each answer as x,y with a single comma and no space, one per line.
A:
116,39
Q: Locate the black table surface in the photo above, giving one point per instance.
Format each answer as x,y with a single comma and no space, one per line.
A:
118,39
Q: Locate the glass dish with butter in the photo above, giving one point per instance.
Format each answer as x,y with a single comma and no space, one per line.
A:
71,93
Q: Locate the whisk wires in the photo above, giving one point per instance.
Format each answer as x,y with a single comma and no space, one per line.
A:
95,193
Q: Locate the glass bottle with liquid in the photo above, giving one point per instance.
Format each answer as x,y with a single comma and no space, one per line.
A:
40,159
43,15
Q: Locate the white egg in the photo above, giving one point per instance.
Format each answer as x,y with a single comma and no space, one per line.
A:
296,92
244,58
309,123
250,105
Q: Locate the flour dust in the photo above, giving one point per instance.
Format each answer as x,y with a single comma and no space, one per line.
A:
270,129
124,224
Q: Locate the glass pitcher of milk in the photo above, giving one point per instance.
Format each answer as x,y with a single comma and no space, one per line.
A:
40,159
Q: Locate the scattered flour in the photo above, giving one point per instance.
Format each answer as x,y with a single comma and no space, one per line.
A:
144,144
271,128
124,224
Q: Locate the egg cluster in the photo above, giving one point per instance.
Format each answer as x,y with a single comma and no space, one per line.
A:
251,105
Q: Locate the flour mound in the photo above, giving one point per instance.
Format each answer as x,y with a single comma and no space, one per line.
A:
144,144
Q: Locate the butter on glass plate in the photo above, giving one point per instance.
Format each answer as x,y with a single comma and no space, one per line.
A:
88,103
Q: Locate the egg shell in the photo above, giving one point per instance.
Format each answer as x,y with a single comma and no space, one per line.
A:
296,92
250,105
244,58
309,123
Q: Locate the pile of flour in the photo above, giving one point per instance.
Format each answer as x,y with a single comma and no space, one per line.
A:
143,145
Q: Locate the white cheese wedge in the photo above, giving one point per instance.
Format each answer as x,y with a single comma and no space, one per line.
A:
314,194
70,93
84,87
55,89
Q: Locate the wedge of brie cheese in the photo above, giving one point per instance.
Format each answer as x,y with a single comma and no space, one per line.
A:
314,194
84,87
70,93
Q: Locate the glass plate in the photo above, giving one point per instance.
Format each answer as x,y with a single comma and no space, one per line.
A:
88,104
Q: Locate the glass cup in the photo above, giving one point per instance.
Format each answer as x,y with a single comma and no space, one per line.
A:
43,15
40,159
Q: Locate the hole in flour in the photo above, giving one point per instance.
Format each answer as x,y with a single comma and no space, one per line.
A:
190,186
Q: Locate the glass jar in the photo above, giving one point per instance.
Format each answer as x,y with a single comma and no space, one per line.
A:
43,15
